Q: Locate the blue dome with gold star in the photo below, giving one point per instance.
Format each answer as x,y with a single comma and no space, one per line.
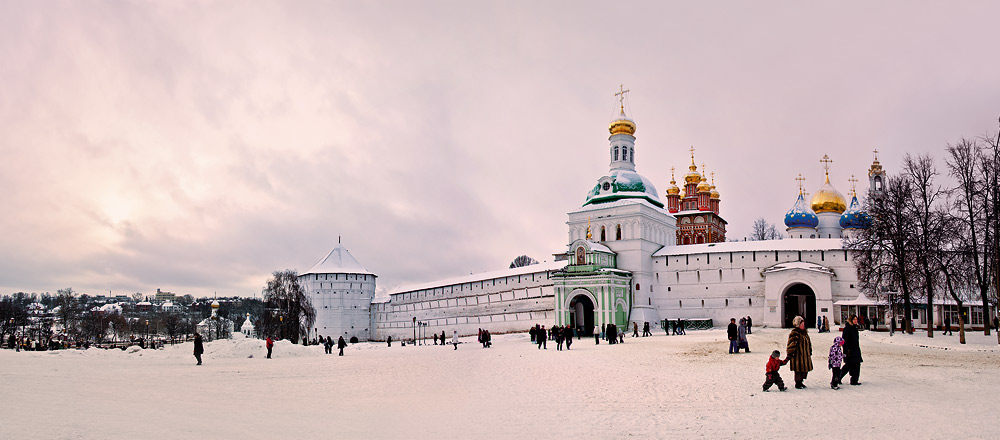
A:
801,216
854,217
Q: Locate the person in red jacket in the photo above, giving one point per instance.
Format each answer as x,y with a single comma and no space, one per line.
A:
270,345
773,378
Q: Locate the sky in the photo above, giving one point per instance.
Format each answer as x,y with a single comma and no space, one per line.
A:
196,147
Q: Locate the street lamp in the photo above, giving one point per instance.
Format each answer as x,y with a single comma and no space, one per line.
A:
146,339
414,329
13,331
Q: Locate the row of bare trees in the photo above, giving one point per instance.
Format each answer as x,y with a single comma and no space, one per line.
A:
930,240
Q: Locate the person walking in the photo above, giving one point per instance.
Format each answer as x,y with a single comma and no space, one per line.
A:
892,325
836,360
341,344
388,340
559,337
541,337
749,325
435,339
819,324
569,336
947,325
270,345
635,329
733,335
489,338
799,352
741,333
852,351
199,348
597,337
454,338
683,326
327,345
771,375
645,329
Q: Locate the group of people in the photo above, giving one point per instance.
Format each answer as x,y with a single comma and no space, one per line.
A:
485,338
845,356
678,327
822,324
738,335
328,345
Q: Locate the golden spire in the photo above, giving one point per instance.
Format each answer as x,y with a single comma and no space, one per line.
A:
673,189
622,125
693,167
826,161
692,176
588,229
672,180
715,192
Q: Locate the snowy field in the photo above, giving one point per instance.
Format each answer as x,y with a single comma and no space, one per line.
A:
655,387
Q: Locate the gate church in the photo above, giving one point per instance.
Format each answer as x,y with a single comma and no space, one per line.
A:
623,264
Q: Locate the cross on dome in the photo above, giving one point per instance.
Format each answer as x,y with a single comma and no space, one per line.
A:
621,96
826,163
801,181
854,184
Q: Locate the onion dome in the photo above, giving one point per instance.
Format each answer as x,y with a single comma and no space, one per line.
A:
715,193
704,187
673,190
854,217
800,216
827,199
622,125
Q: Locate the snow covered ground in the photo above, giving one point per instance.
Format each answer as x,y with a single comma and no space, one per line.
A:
656,387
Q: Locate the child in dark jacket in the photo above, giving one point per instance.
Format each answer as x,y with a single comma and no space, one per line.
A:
836,361
773,378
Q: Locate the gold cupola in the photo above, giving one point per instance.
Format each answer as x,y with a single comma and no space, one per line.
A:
715,193
704,187
692,176
876,167
622,125
828,199
673,190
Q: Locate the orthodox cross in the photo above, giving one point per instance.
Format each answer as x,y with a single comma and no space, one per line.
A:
621,96
713,178
826,163
854,184
672,175
801,181
876,154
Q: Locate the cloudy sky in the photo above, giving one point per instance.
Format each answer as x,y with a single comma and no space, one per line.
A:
197,146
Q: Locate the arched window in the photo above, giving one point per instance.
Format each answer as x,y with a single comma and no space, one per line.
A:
603,235
616,153
878,183
618,235
632,152
624,153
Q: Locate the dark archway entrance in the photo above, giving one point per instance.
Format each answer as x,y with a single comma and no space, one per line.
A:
800,301
581,314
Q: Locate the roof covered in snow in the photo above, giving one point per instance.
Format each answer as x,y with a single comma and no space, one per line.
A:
800,265
471,278
339,260
788,244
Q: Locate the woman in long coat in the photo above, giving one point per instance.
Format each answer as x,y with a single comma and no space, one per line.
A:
799,351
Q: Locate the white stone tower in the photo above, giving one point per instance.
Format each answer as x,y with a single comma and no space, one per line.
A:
341,290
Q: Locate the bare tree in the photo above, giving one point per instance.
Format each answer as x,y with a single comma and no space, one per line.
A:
522,261
762,230
296,314
965,163
68,310
927,229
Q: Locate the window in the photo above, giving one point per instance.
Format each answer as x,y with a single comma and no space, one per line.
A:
616,153
618,235
603,235
632,152
624,153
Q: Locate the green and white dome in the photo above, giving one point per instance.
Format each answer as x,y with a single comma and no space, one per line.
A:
623,184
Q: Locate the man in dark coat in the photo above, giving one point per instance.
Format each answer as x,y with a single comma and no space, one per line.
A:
199,348
947,325
541,337
749,326
442,338
852,351
341,343
799,351
569,336
733,337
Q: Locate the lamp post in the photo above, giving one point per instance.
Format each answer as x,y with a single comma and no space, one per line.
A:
414,329
13,331
146,339
281,327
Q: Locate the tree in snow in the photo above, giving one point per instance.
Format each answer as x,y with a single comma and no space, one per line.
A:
762,230
522,261
293,313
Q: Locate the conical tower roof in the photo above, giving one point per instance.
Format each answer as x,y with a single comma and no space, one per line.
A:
339,260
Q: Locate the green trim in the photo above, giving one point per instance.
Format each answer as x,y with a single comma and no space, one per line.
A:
613,197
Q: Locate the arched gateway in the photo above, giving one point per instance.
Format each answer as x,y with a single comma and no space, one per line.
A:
581,314
799,300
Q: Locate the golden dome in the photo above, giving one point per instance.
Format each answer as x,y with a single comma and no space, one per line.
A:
704,187
827,199
715,193
673,190
622,125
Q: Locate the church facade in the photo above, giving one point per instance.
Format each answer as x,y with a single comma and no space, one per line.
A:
630,258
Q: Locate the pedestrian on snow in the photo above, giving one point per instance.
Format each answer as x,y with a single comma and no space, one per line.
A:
604,331
771,376
442,339
677,326
621,338
742,336
733,334
892,325
819,324
947,325
341,343
199,348
328,345
996,323
270,345
559,337
635,329
435,339
489,338
597,337
799,352
569,336
872,323
683,326
852,351
531,332
836,361
540,337
480,338
454,338
826,324
388,340
645,329
749,326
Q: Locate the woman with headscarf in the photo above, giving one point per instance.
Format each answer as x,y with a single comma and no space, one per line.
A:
799,351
